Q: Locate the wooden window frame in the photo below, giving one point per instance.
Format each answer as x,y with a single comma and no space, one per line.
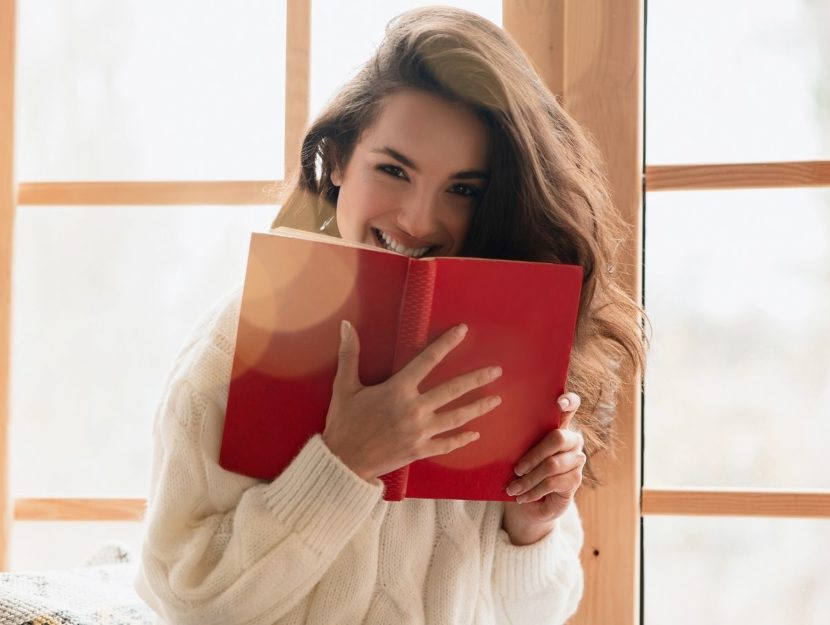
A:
563,39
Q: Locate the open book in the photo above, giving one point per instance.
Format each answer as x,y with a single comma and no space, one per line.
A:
298,286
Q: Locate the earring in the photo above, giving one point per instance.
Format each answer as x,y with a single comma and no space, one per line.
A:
326,224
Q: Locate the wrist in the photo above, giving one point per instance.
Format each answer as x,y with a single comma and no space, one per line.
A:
349,460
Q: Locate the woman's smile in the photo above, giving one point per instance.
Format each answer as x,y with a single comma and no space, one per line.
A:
388,242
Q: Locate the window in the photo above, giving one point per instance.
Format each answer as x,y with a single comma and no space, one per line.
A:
736,284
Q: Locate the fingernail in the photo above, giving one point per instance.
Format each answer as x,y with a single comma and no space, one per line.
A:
344,330
513,489
461,329
564,402
495,372
521,469
493,401
521,499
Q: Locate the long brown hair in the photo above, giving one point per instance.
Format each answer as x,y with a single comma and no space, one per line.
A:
547,199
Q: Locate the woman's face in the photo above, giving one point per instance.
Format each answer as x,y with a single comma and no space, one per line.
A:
415,176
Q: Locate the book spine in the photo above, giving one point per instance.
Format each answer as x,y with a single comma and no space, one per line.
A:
413,333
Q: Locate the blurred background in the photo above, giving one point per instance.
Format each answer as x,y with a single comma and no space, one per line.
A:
736,282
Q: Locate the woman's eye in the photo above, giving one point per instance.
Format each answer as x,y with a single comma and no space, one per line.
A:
465,190
393,170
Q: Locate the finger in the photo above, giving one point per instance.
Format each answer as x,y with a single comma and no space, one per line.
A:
564,485
551,466
418,368
446,392
348,357
555,441
441,445
452,419
568,403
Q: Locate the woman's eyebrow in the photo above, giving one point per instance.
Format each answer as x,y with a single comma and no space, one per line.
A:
462,175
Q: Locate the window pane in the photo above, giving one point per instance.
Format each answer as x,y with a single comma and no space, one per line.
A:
723,571
150,90
102,300
745,80
738,389
335,58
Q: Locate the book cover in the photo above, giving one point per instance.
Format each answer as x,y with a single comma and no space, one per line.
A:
298,286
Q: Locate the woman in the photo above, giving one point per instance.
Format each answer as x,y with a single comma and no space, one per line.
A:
445,143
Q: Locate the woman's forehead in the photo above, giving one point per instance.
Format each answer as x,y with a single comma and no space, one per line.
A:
425,127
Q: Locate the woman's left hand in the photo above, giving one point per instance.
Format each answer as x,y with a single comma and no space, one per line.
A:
551,473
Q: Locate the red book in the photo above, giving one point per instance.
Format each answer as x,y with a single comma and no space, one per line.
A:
298,286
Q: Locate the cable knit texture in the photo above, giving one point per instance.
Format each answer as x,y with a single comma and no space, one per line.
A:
318,545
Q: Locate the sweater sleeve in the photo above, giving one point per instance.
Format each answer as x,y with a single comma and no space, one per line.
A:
543,582
221,547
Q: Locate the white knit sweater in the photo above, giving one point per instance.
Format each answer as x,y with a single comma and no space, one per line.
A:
318,545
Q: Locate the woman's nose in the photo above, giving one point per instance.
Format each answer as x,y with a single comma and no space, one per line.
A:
417,216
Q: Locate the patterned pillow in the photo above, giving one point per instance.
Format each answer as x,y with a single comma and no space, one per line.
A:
101,594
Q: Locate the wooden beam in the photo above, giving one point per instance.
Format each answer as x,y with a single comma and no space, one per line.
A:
537,25
79,509
604,65
148,193
297,72
7,49
594,57
755,503
737,176
687,502
259,192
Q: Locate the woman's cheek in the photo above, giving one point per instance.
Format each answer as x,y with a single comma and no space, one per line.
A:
382,195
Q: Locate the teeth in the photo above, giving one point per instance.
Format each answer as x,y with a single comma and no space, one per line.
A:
397,247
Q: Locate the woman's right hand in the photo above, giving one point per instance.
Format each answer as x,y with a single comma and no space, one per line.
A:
377,429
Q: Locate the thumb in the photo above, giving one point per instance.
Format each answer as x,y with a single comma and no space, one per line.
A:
348,357
568,404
